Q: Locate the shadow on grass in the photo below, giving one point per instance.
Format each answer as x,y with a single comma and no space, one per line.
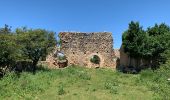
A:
30,70
26,66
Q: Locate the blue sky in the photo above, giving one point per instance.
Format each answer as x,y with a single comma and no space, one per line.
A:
84,15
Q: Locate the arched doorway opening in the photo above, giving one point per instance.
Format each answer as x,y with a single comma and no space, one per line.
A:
61,60
95,59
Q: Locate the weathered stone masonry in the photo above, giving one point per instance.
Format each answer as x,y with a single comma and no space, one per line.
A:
80,47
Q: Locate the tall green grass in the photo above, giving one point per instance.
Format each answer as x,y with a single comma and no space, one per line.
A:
75,83
157,81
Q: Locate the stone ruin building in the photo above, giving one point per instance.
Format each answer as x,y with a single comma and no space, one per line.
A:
79,48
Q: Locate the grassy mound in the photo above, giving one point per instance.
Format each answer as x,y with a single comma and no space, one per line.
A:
79,83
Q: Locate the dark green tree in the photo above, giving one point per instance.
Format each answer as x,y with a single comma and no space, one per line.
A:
159,43
134,40
152,45
8,49
35,44
5,30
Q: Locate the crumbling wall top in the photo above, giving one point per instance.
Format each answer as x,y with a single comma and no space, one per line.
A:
95,35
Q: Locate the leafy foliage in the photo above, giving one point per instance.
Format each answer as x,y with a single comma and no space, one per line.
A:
35,43
158,81
151,44
159,42
9,52
5,30
134,39
24,44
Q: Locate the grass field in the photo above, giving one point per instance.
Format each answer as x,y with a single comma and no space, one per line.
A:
79,83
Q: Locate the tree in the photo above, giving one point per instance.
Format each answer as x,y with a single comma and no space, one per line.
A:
5,30
152,45
134,41
159,42
35,44
8,49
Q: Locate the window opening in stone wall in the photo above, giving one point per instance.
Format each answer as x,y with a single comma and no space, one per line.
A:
95,59
60,56
61,60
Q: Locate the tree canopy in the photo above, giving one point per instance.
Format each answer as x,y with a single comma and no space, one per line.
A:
134,40
24,44
151,44
35,44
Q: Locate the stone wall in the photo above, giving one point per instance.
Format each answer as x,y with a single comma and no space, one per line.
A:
51,60
80,47
125,60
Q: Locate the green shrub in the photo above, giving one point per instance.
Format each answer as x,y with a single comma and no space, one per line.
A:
84,75
112,86
157,81
61,90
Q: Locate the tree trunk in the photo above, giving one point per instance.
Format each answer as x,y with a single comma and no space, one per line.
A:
34,66
150,62
129,64
137,65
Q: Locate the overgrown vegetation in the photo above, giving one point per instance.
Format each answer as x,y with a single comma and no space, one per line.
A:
158,81
24,44
74,83
151,44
